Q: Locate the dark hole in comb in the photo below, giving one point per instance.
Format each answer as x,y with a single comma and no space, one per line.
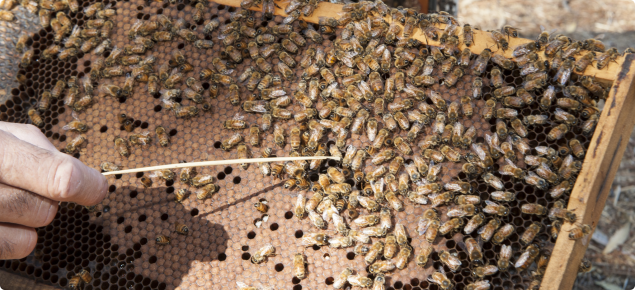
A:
246,256
316,247
169,182
245,248
112,188
299,234
222,257
152,259
297,287
169,189
118,176
120,220
237,180
133,194
103,129
329,281
350,255
128,229
220,176
157,108
194,212
279,267
173,132
228,170
217,144
164,217
288,215
295,280
144,125
274,227
142,218
180,7
139,174
181,45
251,235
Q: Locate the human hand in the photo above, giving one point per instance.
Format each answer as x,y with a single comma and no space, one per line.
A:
34,177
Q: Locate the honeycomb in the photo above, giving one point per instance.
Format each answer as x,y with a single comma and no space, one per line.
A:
116,241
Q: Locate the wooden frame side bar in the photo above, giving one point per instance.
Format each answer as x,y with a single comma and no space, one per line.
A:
482,39
594,182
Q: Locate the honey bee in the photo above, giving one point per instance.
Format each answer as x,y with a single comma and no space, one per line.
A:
450,226
261,254
75,281
35,117
579,232
261,207
342,278
527,257
73,145
450,260
375,251
439,278
479,65
486,270
162,240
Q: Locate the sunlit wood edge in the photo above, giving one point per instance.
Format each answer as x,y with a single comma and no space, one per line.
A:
482,39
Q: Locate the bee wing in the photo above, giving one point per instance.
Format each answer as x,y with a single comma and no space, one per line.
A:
482,229
490,203
506,251
522,259
530,174
75,116
377,185
238,117
509,162
560,113
478,151
462,246
492,140
422,226
241,285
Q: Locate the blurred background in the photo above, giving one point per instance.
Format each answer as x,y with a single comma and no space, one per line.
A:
612,249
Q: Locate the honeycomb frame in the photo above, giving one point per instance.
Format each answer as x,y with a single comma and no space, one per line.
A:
126,222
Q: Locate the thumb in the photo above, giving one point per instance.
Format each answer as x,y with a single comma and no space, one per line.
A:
51,174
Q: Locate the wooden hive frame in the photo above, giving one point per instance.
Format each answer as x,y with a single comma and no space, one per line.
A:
609,141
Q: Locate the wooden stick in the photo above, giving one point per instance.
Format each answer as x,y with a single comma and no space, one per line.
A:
219,162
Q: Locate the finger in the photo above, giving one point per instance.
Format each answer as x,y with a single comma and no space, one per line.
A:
16,241
28,133
22,207
51,174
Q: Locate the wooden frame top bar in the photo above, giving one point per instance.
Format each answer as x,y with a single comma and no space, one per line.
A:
482,39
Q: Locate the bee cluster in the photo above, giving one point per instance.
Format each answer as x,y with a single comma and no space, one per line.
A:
456,167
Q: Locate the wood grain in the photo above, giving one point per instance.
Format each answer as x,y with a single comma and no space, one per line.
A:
594,182
482,39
